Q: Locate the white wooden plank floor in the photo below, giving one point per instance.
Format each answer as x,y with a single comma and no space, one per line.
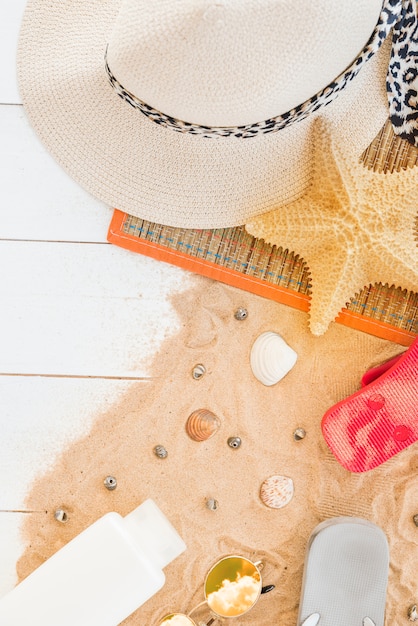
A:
78,317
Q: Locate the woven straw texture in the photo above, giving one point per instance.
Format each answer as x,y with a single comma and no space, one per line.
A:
272,270
354,227
131,163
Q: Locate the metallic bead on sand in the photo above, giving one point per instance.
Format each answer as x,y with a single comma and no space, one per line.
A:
161,452
234,442
212,504
198,371
413,613
299,434
61,516
241,314
415,518
202,424
110,483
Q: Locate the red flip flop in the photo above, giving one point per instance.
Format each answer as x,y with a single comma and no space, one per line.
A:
378,421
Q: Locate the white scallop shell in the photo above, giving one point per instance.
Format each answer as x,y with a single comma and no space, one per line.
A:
277,491
271,358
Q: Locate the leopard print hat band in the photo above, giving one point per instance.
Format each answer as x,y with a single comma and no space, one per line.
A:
397,16
402,77
204,61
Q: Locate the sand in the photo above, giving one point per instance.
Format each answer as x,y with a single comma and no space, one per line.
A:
121,443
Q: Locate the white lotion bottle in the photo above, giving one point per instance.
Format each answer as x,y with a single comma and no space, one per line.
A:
101,576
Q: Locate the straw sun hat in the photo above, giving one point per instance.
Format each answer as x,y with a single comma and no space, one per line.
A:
198,113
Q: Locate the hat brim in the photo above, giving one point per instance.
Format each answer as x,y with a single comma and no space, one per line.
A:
131,163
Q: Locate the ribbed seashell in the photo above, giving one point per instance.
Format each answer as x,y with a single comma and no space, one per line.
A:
202,424
271,358
277,491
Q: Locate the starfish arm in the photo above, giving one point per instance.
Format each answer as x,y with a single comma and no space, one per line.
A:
383,190
296,226
335,277
328,173
353,227
393,264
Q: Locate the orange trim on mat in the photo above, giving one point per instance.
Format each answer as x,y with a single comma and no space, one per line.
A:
248,283
375,327
205,268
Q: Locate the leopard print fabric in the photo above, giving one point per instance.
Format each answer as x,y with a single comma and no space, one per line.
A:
402,78
396,15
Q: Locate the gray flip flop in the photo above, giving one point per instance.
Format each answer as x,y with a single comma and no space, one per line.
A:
345,575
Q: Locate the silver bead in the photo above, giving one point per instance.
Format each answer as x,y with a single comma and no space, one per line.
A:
212,504
198,371
299,434
161,452
110,483
413,613
415,518
234,442
61,516
241,314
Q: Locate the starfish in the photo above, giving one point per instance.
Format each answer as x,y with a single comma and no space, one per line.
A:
354,227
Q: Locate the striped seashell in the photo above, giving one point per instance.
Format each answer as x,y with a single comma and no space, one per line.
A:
198,371
202,424
277,491
271,358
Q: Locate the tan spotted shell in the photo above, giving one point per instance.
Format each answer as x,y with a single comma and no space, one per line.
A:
202,424
277,491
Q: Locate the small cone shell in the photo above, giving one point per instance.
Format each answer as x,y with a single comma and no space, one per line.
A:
202,424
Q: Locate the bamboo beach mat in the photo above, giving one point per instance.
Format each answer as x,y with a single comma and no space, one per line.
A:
232,256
